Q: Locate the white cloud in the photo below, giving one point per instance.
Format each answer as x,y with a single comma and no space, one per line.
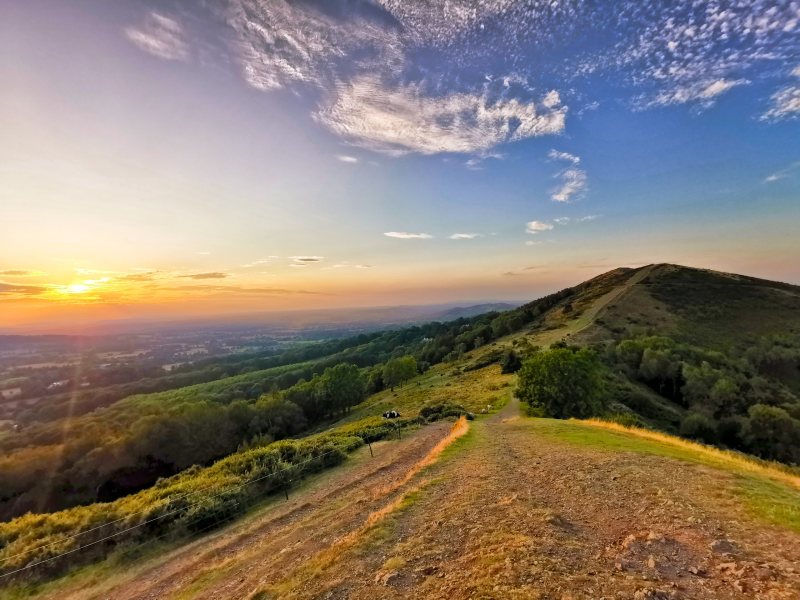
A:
349,266
397,120
574,183
561,220
587,218
783,173
355,58
558,155
465,236
785,104
703,92
796,71
533,242
160,36
260,261
404,235
537,226
346,159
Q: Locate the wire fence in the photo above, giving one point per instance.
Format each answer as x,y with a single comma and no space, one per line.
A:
184,509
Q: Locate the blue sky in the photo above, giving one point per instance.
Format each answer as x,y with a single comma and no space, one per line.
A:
349,152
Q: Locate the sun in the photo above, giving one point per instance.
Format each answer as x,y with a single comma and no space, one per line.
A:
77,288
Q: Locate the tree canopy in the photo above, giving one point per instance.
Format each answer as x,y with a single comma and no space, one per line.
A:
562,383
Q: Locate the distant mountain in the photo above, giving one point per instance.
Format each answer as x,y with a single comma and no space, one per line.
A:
463,312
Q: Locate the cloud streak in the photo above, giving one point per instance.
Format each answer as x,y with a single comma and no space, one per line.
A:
783,173
160,36
573,182
404,235
209,275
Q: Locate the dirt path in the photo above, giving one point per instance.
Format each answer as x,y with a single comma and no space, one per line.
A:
589,316
515,515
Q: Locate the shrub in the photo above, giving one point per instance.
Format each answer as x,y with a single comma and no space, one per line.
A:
626,419
435,411
698,426
510,363
562,383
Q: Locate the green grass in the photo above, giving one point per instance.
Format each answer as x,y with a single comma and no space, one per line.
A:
772,502
768,495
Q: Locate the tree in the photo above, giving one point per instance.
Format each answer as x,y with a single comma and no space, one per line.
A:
399,370
510,363
562,383
277,417
772,433
698,426
343,386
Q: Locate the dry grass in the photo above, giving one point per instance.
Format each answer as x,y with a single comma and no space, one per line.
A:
328,557
735,460
460,427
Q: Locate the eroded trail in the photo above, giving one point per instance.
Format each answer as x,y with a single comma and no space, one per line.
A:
516,515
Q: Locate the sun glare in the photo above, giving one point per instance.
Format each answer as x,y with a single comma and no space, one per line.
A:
77,288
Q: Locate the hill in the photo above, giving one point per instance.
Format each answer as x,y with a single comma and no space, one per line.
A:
517,508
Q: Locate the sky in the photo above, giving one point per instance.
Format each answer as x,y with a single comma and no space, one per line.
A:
164,159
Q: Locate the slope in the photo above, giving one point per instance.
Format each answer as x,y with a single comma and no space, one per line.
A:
520,508
570,471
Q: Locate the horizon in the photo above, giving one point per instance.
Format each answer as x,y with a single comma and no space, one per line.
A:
163,161
306,317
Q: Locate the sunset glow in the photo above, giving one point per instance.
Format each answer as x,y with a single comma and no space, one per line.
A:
200,168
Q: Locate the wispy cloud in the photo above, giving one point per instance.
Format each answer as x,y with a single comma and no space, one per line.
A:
680,52
357,55
349,266
400,119
783,173
558,155
161,36
785,103
346,159
538,226
307,259
465,236
704,93
146,276
21,273
573,182
304,261
259,261
209,275
404,235
234,289
522,271
12,289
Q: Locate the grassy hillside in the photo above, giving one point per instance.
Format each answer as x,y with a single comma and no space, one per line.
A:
657,371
